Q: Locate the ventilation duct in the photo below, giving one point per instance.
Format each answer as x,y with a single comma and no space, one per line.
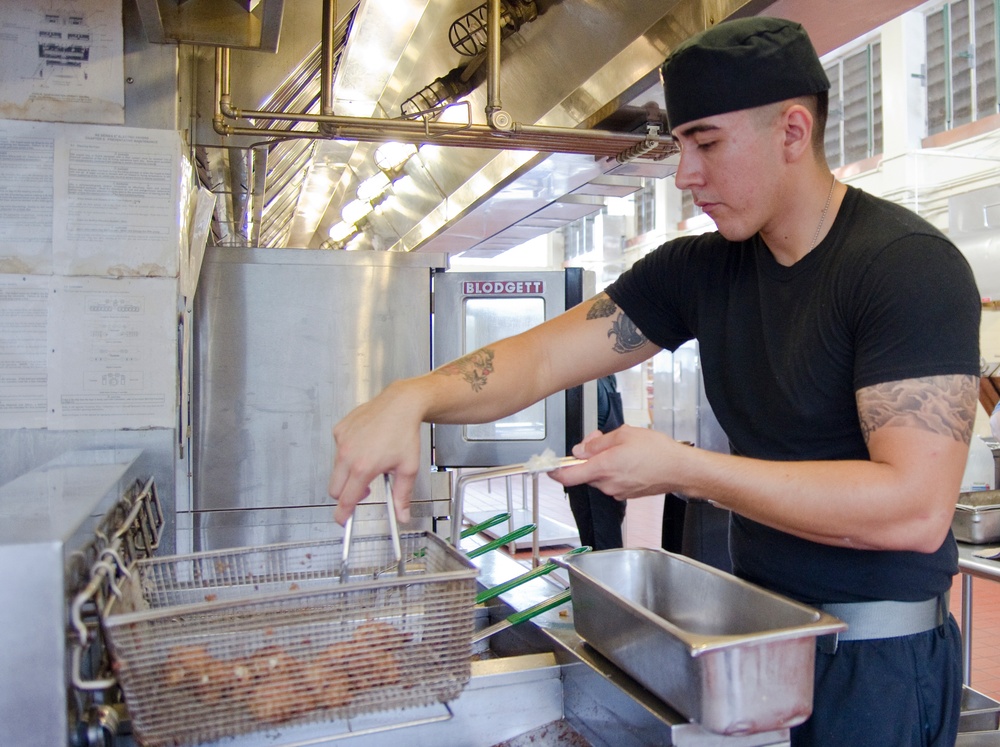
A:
237,24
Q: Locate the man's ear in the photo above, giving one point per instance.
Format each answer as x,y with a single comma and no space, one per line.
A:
797,121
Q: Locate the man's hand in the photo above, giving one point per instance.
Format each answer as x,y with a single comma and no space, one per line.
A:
626,463
379,437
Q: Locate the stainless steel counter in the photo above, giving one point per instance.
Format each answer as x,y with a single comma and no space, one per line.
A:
970,565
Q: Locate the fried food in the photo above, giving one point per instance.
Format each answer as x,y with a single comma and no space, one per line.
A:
185,665
274,678
326,681
276,686
374,668
374,661
381,634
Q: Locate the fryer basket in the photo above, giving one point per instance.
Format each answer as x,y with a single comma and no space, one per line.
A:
217,644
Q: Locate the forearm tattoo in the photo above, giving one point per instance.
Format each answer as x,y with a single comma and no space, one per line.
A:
627,335
473,368
939,404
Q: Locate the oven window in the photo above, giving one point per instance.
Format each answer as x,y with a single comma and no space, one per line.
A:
491,319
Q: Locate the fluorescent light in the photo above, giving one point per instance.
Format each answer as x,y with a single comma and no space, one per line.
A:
355,211
390,156
373,186
341,231
354,244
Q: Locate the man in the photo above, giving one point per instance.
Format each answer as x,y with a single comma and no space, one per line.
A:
839,342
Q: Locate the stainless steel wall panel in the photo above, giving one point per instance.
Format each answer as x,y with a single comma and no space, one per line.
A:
286,342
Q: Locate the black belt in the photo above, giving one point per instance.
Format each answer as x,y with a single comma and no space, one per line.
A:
884,619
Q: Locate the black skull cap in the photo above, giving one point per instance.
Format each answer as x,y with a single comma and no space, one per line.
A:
740,64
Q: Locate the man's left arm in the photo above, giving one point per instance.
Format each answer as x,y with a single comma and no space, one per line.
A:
902,498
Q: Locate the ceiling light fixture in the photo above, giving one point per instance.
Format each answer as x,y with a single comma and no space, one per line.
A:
356,210
341,231
393,156
373,186
468,33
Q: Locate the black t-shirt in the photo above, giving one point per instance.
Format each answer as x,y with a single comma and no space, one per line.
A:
884,297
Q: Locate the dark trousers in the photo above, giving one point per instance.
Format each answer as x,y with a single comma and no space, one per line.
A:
891,692
696,529
598,517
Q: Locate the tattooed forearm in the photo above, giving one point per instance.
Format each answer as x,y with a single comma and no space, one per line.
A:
939,404
473,368
627,335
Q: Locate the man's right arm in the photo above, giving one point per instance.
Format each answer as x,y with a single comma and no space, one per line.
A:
383,435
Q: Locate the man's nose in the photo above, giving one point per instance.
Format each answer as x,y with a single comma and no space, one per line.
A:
687,175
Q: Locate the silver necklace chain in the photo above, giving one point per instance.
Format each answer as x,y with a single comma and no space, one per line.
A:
826,208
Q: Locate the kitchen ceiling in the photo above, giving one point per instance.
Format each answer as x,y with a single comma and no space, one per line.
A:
578,64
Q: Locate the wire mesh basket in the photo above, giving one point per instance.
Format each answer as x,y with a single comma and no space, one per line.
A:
217,644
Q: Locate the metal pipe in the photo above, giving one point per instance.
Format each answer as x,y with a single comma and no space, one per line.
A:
477,136
536,519
513,135
500,134
221,88
493,104
967,629
327,58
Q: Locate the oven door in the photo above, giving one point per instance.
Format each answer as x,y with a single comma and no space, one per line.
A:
473,309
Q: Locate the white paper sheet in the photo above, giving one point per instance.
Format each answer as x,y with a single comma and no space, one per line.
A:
89,200
24,303
62,61
27,162
116,202
113,353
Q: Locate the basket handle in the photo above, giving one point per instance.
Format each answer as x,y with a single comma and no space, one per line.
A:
397,550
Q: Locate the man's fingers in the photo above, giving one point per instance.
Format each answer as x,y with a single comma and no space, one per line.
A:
402,490
346,502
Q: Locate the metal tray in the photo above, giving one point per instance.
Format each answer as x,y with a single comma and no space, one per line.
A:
978,739
725,653
977,517
979,712
218,644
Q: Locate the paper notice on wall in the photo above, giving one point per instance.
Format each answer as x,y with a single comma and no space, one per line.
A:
27,162
117,201
89,200
201,223
62,61
24,303
113,353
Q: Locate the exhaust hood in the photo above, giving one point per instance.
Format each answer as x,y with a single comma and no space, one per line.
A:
241,24
577,64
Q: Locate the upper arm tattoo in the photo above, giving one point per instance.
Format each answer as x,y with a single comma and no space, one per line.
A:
939,404
627,335
473,368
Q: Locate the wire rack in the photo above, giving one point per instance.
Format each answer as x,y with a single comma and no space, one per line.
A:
218,644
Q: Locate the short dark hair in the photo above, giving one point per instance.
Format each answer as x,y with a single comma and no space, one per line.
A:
818,105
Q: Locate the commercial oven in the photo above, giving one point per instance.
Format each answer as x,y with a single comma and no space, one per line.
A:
471,310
